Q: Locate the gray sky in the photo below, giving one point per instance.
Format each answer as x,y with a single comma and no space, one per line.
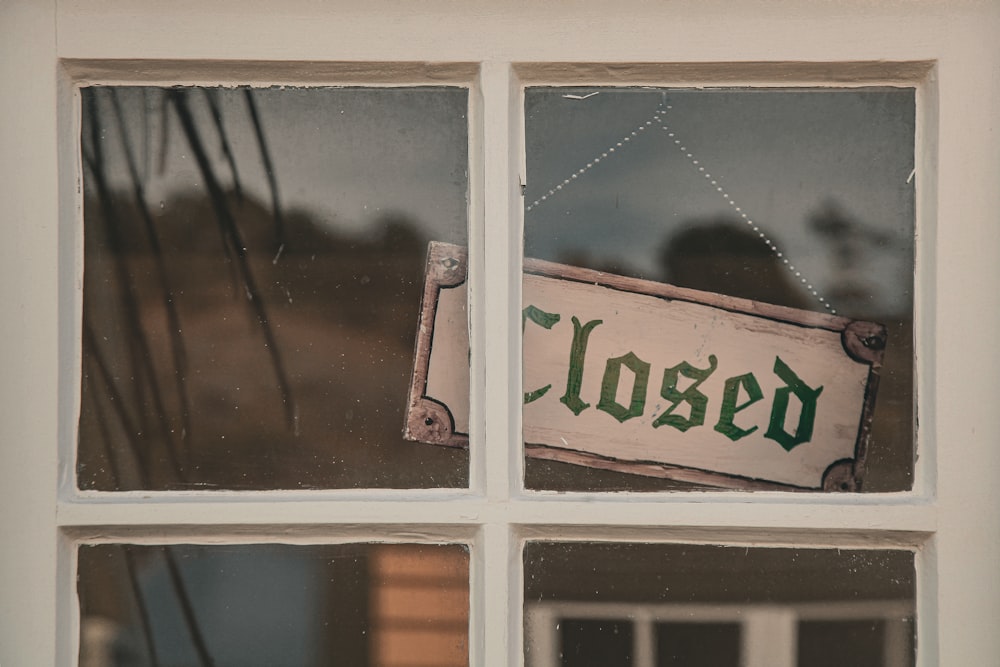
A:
346,155
780,155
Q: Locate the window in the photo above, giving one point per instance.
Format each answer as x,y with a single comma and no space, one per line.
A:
686,604
491,512
798,197
253,259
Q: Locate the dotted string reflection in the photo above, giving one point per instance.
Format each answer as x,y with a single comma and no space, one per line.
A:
624,141
671,135
660,120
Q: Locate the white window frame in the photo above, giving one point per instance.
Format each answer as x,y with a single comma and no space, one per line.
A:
948,519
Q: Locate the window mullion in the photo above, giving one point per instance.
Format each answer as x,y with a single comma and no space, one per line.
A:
769,638
496,613
500,283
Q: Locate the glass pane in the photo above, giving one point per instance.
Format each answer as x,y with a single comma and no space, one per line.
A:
595,643
698,645
270,604
799,198
678,604
253,263
862,643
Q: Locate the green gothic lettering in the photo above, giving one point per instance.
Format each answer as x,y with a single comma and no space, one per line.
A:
577,352
730,395
779,410
609,387
547,321
745,387
697,400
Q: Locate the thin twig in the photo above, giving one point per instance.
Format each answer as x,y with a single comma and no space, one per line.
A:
140,602
272,181
187,609
146,153
94,357
211,96
161,165
142,358
173,319
93,353
228,224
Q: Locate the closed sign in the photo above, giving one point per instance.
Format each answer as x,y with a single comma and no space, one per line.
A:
651,379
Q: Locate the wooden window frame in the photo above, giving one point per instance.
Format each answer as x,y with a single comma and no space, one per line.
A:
947,520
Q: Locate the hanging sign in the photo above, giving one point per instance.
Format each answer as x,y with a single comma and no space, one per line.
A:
651,379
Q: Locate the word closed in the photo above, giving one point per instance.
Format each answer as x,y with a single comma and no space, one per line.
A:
691,396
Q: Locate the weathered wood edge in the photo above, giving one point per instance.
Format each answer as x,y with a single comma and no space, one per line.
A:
865,425
865,343
656,469
429,420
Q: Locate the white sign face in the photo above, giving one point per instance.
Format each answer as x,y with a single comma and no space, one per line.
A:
647,378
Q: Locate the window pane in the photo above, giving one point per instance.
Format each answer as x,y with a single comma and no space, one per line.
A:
797,198
862,643
596,643
253,269
679,604
698,645
270,604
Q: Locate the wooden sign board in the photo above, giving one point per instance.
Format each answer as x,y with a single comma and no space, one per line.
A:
652,379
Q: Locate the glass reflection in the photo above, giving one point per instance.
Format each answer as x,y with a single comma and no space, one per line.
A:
703,644
671,604
724,190
862,643
594,643
267,605
252,275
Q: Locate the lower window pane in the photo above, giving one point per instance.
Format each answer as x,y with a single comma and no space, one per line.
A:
596,643
677,604
270,604
861,643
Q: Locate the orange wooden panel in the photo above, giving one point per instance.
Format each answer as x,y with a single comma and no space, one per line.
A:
413,648
410,561
419,604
